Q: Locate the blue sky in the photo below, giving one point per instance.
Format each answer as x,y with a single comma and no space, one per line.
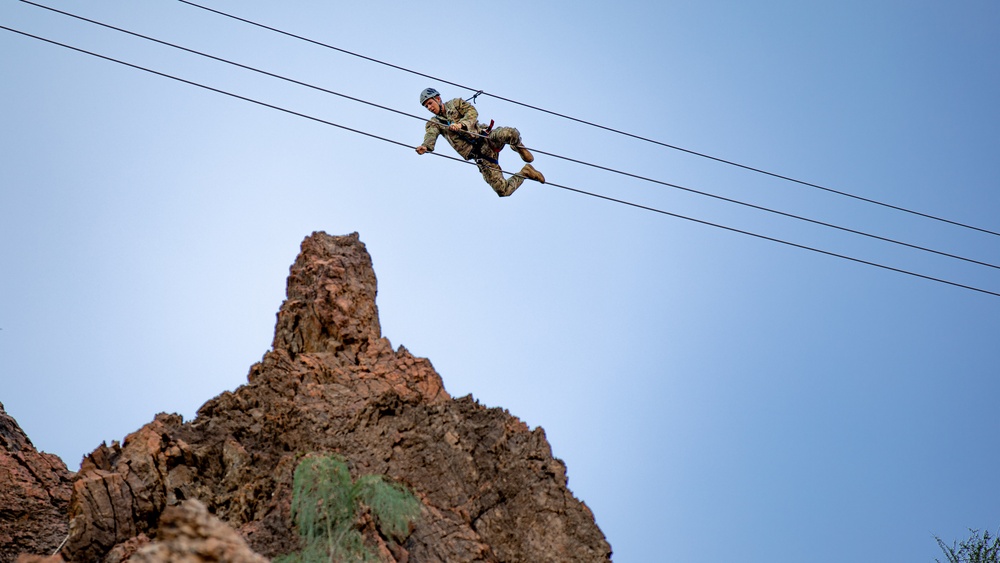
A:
716,397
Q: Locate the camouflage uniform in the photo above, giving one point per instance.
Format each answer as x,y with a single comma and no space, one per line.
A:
465,114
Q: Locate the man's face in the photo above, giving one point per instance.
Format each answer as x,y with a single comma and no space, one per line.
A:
433,105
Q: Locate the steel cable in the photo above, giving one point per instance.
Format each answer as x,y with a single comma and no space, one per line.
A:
599,126
568,159
568,188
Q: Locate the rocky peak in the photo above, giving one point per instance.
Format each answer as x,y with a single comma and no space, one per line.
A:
330,305
488,486
329,325
34,494
12,438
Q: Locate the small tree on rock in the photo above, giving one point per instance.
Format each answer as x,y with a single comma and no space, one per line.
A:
326,503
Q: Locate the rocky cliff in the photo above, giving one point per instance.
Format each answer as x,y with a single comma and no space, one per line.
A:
34,494
488,485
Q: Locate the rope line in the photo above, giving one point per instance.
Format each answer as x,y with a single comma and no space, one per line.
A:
773,239
222,60
775,211
568,188
58,549
599,126
568,159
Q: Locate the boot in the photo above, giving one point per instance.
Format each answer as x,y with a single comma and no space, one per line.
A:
530,173
525,155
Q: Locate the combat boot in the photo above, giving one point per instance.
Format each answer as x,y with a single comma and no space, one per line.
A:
530,173
525,155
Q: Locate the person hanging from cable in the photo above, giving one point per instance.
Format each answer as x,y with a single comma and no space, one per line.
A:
457,121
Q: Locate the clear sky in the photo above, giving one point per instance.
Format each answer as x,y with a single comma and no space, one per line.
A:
716,396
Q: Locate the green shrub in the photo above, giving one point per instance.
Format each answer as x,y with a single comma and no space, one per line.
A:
325,507
977,549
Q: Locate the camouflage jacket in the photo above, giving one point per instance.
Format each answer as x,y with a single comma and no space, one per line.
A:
455,111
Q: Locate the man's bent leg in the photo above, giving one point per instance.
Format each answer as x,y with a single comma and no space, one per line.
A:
509,136
494,177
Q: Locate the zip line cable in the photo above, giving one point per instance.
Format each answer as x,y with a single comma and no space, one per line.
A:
775,211
567,188
222,60
596,125
605,168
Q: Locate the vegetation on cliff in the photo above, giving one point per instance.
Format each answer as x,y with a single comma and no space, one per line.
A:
326,504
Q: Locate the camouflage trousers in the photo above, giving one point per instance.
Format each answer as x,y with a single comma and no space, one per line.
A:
488,167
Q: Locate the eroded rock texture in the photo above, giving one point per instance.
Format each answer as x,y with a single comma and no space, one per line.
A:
34,495
490,489
188,533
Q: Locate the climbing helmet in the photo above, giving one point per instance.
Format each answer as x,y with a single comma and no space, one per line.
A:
427,94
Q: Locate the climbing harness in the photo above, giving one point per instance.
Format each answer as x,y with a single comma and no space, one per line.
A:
479,141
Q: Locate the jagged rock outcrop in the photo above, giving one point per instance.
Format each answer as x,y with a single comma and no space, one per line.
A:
34,495
489,486
188,533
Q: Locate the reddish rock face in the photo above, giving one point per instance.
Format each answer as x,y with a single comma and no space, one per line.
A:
188,532
489,486
34,495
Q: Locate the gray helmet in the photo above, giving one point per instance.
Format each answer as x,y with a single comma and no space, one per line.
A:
427,94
